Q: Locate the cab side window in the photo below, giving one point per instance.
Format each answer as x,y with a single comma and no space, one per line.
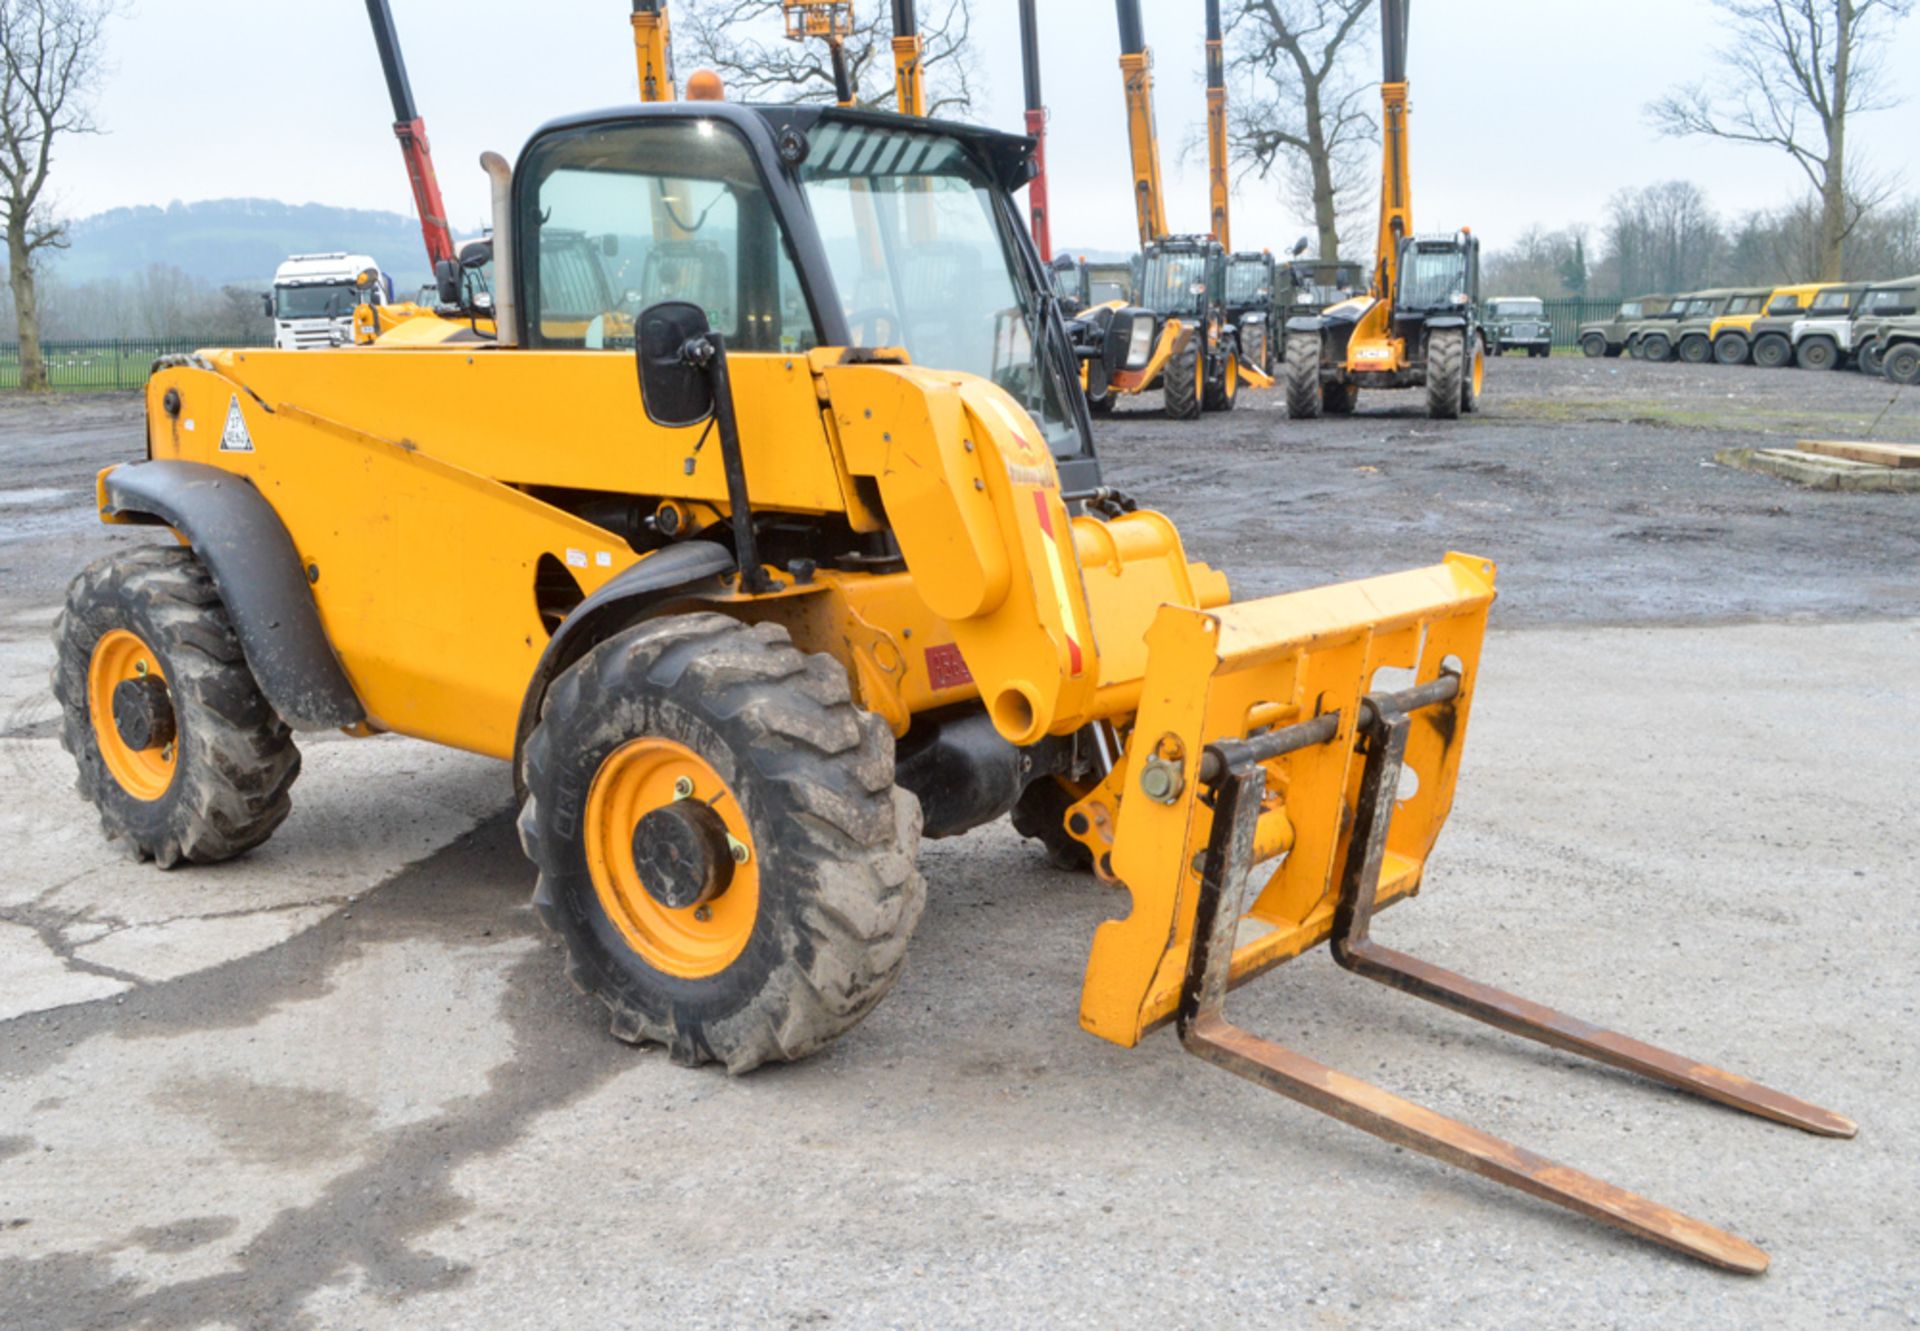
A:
615,218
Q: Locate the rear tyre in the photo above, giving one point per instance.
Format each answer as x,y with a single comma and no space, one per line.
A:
1870,360
176,746
1732,349
1182,383
1594,345
1339,399
1537,353
1696,350
1772,351
1303,376
1903,363
1256,349
1224,390
1657,347
1476,379
1637,349
1446,373
1817,353
779,889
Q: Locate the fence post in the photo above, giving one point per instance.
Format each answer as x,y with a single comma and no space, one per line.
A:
118,351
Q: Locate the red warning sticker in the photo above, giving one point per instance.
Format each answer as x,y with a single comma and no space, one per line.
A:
946,668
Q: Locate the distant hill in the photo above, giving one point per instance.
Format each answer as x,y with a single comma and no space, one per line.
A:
237,240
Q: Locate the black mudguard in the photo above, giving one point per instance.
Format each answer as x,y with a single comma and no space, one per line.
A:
255,567
692,569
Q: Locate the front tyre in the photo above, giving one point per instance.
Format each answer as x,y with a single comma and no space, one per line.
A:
1446,373
1732,349
1902,364
176,747
1183,382
1303,376
1594,345
1224,390
720,842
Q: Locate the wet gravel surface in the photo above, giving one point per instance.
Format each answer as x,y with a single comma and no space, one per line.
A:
1590,482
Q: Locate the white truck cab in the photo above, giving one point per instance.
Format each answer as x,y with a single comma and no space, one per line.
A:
314,296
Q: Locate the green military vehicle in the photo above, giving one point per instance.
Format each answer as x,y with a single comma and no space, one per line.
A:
1518,323
1608,337
1881,307
1656,338
1899,344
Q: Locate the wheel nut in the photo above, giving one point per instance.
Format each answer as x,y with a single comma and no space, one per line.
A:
738,849
683,787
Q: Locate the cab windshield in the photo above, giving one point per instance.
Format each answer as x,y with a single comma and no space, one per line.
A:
1518,309
331,301
1174,281
1246,282
922,259
1832,302
1745,305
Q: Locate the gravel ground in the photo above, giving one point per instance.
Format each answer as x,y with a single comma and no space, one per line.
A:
342,1083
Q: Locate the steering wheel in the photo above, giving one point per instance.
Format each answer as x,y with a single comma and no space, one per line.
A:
877,314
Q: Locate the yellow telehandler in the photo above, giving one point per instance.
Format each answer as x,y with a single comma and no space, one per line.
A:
1419,326
798,553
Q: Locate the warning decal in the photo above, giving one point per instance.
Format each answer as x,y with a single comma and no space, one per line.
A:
235,439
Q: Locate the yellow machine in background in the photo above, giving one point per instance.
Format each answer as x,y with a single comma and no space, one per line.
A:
1420,325
788,550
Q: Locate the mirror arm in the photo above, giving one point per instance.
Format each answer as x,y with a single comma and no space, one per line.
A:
710,354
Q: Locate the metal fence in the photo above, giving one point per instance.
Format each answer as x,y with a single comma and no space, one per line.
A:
1566,316
122,363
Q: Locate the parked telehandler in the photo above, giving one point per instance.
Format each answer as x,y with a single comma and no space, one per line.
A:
1177,339
807,557
1420,326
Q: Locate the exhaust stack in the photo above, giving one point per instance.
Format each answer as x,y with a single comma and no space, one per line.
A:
506,302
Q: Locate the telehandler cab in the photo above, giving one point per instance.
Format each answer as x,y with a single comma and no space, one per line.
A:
805,557
1420,326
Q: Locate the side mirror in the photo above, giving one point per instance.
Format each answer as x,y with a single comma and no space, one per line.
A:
1300,247
476,254
266,303
674,385
447,282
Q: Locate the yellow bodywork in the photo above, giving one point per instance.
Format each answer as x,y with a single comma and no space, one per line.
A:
1802,296
910,92
652,53
410,480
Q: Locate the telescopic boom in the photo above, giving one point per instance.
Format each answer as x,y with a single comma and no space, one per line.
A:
653,51
1396,188
1136,70
411,130
1217,128
1036,127
907,83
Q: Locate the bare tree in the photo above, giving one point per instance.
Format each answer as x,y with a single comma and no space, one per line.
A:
1799,69
51,52
1663,237
743,41
1299,108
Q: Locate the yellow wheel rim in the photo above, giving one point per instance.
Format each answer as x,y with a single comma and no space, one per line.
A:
120,656
694,942
1233,377
1479,372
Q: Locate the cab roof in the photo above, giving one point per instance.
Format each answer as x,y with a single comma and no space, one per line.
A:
1006,158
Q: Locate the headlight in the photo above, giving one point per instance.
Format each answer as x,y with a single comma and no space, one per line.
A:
1140,344
1303,298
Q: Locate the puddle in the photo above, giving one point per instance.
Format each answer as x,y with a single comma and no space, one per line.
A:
27,498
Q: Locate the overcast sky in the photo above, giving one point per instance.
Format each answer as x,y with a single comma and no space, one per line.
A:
1524,111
